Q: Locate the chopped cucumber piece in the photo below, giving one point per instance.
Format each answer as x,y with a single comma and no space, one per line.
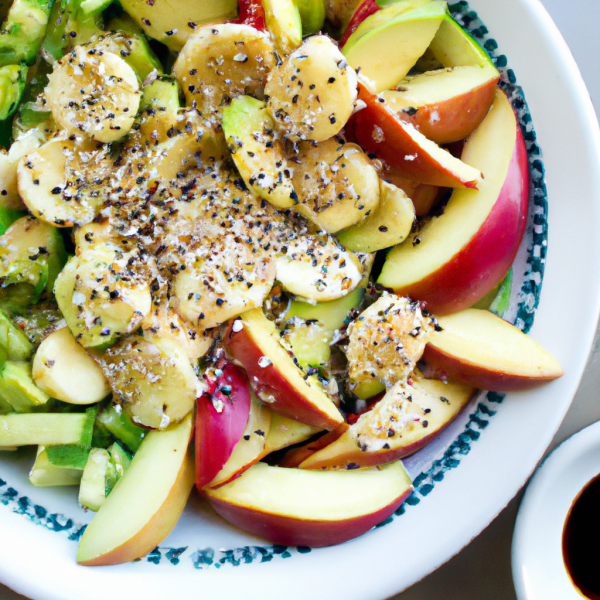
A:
92,491
23,31
368,389
93,7
43,429
45,473
18,389
120,458
120,425
68,455
12,84
14,344
111,477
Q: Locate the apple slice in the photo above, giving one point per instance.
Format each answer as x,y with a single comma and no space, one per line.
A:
402,422
481,349
445,105
146,502
458,257
452,46
286,432
253,341
221,417
295,457
379,130
387,44
250,447
363,12
311,508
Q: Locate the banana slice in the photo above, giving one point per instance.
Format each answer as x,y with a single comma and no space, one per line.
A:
59,181
105,292
221,62
93,92
154,381
318,269
226,280
336,183
312,93
24,144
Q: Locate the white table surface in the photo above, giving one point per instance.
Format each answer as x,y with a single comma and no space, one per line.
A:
471,575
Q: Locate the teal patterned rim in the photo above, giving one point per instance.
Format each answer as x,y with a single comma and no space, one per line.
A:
486,405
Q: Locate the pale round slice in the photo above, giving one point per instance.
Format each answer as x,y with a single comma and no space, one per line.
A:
221,62
156,386
312,93
93,92
318,269
63,369
55,181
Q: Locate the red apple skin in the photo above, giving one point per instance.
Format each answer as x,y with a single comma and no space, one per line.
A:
458,116
218,433
396,144
299,532
441,363
270,382
251,12
482,264
366,9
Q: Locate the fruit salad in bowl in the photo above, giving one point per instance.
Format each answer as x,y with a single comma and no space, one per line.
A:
263,250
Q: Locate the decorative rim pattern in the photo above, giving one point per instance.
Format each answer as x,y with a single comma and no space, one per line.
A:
486,403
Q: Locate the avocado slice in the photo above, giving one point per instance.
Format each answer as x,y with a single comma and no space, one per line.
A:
312,15
92,491
43,429
498,300
39,268
14,344
161,94
308,341
257,151
283,21
332,315
23,31
18,388
45,473
12,84
121,426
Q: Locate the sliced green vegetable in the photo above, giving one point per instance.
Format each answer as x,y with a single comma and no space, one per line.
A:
18,389
68,455
501,302
12,84
14,344
45,473
92,491
312,15
31,252
332,315
43,429
23,31
120,425
162,93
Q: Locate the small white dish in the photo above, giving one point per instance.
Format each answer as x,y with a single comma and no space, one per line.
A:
538,565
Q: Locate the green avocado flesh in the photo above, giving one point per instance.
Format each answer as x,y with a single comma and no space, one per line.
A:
23,31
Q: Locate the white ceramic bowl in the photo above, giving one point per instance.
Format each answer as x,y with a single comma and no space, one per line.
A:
538,566
204,557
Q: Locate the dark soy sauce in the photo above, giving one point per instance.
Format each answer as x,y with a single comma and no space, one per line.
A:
581,540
